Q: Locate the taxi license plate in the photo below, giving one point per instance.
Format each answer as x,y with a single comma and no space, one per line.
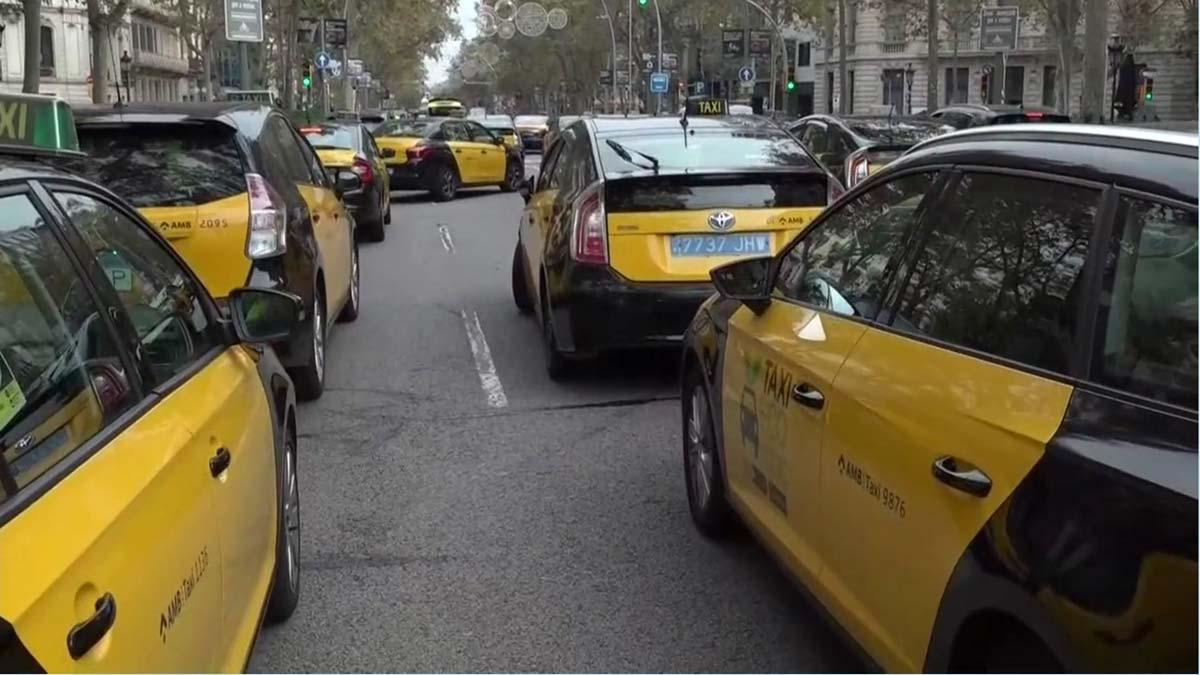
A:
704,245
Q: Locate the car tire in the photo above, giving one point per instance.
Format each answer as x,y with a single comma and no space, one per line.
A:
350,310
520,283
285,582
512,177
557,364
310,378
445,184
372,230
702,461
387,208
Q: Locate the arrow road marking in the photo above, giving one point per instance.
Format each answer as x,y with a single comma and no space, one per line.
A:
447,242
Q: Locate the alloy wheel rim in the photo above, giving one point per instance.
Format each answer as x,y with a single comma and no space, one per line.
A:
699,454
318,339
354,284
291,517
447,182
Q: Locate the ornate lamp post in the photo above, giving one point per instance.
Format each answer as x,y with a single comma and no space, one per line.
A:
126,76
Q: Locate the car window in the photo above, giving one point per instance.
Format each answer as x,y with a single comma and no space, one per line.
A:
754,147
843,264
1001,270
549,166
455,131
479,134
1147,339
368,144
163,303
815,137
316,171
330,136
279,142
407,128
163,165
61,377
558,176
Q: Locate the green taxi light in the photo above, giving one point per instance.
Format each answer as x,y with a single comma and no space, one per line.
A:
38,123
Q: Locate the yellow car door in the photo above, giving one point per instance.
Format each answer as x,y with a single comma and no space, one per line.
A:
493,156
466,154
110,555
538,213
962,379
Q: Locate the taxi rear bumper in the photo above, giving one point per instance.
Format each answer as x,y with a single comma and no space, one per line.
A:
411,175
599,310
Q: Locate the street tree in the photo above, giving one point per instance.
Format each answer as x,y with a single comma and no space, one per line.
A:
1061,18
959,18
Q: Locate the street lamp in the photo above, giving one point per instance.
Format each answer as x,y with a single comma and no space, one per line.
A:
908,82
126,76
1115,50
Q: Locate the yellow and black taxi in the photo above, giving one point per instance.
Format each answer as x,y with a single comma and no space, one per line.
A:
628,216
442,155
348,146
149,509
961,406
855,146
532,129
244,199
506,128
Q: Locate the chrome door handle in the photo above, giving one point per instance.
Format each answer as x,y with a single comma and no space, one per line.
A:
808,395
962,476
87,633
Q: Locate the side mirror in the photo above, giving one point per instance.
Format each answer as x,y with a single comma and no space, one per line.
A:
347,181
263,315
747,280
526,189
388,153
498,140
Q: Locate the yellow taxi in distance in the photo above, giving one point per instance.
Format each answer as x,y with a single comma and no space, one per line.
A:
443,154
961,406
244,199
348,146
504,127
628,216
149,508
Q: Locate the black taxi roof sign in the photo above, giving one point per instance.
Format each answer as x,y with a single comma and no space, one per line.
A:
31,123
702,106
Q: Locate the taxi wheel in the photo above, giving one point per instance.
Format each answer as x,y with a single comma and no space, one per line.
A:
512,177
285,587
701,461
445,185
557,364
520,283
372,230
350,310
310,378
387,208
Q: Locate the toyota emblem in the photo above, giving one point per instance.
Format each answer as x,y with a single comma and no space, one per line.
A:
721,221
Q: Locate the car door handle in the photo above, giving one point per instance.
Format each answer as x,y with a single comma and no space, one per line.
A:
808,395
962,476
457,151
86,634
219,462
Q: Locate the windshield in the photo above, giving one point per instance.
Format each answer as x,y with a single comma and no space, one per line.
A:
330,137
532,120
163,165
706,150
897,132
407,128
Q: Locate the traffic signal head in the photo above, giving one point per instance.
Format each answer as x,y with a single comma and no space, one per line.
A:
1149,89
791,85
306,77
643,3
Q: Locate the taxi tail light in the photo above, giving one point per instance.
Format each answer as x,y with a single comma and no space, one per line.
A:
589,229
268,219
858,167
362,168
835,191
418,152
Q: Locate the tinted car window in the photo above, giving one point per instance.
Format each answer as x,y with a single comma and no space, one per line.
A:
407,128
815,137
479,134
281,153
547,169
750,191
897,132
843,264
162,301
331,137
1000,273
156,165
754,148
61,378
455,131
1148,308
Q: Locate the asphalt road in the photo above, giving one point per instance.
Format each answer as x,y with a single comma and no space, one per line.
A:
454,521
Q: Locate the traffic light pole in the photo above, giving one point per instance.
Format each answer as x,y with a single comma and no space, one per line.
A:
779,37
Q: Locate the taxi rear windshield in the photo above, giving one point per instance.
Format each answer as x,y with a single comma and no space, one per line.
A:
408,128
329,137
705,151
151,165
732,191
897,132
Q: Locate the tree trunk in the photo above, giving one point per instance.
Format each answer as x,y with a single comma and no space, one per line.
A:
1095,60
842,76
100,54
950,95
33,46
931,87
1065,47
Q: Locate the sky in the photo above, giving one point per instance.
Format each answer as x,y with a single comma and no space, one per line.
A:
436,69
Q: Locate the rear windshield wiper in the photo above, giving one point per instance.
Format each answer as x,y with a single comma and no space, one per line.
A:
623,153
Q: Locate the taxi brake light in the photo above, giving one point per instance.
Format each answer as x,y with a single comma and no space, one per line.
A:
589,229
362,168
268,219
419,152
1035,115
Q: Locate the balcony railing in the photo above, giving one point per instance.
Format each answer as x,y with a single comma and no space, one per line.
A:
143,60
893,46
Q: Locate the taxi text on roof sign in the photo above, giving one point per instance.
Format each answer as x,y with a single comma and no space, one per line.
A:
707,106
29,122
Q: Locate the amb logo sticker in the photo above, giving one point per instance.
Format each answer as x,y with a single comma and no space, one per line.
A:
886,497
790,219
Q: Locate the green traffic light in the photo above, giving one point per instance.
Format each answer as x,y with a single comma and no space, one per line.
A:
643,3
791,85
307,82
1149,96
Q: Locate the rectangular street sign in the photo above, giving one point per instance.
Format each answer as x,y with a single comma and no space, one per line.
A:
606,77
998,28
244,20
731,43
306,30
760,42
335,33
670,61
659,83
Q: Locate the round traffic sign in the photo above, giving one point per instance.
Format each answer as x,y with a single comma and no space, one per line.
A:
745,74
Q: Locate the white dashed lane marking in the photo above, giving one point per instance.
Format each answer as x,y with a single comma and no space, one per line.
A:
488,379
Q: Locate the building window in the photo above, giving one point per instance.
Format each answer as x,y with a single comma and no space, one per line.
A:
145,38
850,94
804,54
956,85
893,23
1049,75
47,69
851,22
829,93
1014,85
893,88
